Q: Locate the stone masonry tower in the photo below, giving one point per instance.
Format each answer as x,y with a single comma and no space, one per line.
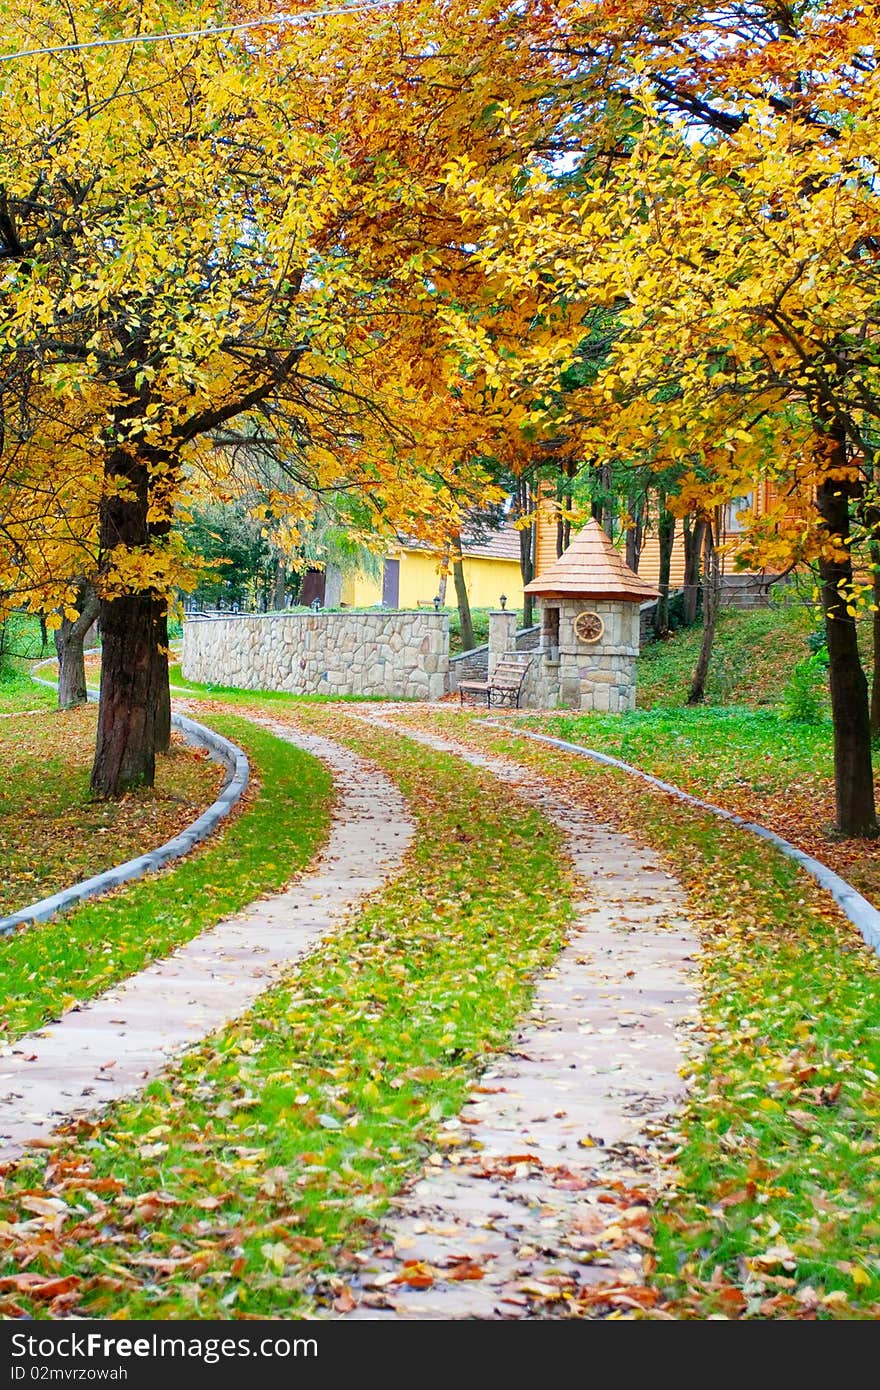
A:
589,604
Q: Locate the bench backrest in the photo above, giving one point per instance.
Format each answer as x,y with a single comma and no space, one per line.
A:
510,673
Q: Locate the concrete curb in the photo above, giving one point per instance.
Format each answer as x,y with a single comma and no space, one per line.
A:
860,912
237,776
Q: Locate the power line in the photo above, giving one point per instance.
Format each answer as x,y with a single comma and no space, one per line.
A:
271,21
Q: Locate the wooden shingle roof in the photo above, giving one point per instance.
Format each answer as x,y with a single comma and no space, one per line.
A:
591,567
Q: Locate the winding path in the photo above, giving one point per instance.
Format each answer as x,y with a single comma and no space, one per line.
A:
539,1191
112,1046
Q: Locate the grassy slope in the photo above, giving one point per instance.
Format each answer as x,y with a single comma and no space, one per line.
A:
752,659
18,692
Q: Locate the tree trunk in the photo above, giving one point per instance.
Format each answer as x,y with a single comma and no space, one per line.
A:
280,585
69,638
694,535
161,708
666,539
464,607
872,521
853,774
601,508
525,504
875,676
444,577
134,670
635,532
711,601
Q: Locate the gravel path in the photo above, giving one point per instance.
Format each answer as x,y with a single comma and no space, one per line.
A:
113,1046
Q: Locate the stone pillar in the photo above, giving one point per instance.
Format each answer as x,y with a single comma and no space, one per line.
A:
502,636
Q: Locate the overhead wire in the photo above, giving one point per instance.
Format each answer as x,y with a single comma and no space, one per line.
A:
268,22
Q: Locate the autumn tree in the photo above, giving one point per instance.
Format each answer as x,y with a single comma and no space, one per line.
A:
49,500
733,230
244,232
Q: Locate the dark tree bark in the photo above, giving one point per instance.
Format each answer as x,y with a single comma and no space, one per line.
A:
567,472
711,604
872,521
69,639
461,594
601,508
875,675
635,532
666,539
694,532
161,709
853,773
525,506
134,630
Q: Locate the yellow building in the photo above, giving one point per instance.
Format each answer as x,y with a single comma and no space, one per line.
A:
411,576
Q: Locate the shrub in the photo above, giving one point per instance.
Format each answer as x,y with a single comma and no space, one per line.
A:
804,698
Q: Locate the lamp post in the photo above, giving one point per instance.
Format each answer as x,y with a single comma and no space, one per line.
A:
503,602
436,603
316,605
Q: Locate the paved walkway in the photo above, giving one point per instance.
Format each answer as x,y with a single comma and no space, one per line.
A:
114,1045
538,1189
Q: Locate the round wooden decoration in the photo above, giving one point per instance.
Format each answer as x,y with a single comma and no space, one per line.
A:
588,626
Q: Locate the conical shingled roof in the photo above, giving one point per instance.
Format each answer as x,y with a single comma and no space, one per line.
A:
591,567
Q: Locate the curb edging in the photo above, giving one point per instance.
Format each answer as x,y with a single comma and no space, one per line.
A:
863,915
221,750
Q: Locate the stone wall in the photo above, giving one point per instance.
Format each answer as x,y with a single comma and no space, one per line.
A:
397,655
469,666
474,665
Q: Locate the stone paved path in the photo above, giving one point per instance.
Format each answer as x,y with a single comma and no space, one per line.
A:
537,1191
114,1045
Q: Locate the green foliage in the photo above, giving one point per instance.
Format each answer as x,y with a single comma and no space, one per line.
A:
480,619
21,638
806,694
236,554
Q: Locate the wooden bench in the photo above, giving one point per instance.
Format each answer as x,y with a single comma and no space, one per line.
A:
506,683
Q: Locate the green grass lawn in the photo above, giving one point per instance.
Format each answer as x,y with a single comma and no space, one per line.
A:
19,693
754,762
249,1174
709,750
742,749
49,968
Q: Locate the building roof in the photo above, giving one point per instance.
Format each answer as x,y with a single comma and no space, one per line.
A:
591,567
493,545
484,545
